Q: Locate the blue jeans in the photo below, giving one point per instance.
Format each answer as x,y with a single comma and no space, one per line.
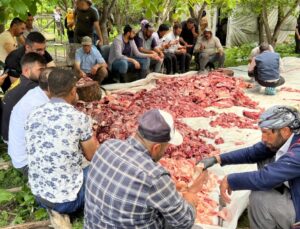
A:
123,66
67,207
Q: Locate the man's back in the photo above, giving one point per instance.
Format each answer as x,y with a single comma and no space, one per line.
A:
16,145
267,64
127,189
11,98
53,132
6,39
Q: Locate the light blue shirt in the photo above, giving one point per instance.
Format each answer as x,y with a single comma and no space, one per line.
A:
88,60
16,145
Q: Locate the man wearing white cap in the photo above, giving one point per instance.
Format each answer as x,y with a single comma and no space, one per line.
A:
208,49
126,188
275,198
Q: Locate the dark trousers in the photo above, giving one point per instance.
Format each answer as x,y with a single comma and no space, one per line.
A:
170,62
297,41
100,75
70,34
263,83
184,60
203,59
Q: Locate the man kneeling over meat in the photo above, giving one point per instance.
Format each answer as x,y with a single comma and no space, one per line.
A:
57,138
126,188
275,197
265,68
89,62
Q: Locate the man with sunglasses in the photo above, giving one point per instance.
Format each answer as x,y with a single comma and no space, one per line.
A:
275,198
35,42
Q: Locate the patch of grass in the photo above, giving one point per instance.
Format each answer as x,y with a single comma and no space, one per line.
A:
243,220
11,178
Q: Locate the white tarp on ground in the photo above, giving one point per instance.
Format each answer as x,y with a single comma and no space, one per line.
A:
233,135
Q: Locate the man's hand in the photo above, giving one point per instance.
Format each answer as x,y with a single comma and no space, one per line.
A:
94,69
191,198
208,162
2,78
199,182
225,190
154,56
82,74
136,64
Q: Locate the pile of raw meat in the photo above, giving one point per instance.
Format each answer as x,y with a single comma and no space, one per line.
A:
182,171
116,116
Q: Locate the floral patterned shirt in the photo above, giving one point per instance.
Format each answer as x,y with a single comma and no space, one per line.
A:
53,132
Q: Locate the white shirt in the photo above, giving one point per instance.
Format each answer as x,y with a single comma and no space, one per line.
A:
53,133
16,135
172,38
282,151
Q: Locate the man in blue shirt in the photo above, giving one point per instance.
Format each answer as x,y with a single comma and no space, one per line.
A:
89,62
275,186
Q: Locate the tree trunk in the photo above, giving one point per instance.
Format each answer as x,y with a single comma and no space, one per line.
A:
266,24
260,29
192,12
281,19
2,24
165,14
105,13
200,13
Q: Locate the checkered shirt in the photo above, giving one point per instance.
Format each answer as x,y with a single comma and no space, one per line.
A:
127,189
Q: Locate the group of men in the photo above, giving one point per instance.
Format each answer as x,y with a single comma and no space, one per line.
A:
124,187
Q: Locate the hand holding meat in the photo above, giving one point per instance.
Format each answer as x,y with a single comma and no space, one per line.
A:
225,190
197,184
208,162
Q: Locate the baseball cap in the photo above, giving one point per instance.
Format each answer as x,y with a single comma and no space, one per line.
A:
207,30
158,126
86,41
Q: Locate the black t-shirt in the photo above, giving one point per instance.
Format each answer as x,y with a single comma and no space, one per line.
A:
11,99
85,22
13,64
127,49
187,34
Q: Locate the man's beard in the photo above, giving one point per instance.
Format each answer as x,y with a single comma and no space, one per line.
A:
277,145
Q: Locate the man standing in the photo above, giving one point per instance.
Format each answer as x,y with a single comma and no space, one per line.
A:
275,198
86,19
32,66
265,69
58,22
126,188
208,49
183,57
8,42
124,55
33,98
146,43
89,62
57,138
35,42
189,34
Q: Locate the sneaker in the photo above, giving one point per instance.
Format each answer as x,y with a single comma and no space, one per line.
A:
270,91
59,221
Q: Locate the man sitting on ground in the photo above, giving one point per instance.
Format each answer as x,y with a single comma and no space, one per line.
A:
32,66
89,62
35,42
33,98
170,60
183,58
127,188
57,138
125,56
146,43
265,69
208,49
8,42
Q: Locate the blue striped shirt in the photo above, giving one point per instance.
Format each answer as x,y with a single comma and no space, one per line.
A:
127,189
